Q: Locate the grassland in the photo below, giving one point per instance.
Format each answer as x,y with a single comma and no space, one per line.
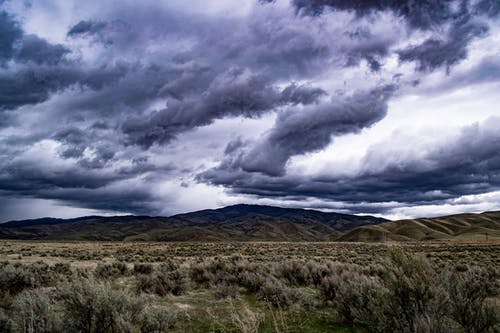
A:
250,286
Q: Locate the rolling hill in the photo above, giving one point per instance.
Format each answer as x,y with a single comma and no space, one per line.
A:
257,223
454,227
232,223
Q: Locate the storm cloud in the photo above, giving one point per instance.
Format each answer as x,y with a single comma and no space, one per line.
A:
466,165
157,108
311,128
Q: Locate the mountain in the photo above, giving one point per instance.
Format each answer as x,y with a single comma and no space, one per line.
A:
232,223
454,227
257,223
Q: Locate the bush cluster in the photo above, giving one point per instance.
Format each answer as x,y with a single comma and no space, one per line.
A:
404,293
167,278
86,306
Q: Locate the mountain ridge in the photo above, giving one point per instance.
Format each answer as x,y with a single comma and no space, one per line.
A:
237,222
243,222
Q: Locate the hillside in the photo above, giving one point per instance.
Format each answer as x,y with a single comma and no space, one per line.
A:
454,227
232,223
257,223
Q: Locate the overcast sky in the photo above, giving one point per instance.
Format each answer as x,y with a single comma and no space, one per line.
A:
389,108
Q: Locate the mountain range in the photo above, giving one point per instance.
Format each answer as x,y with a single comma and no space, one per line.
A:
255,223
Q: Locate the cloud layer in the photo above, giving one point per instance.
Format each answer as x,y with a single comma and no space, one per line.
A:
152,108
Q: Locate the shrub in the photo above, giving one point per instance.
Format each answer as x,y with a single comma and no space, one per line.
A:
359,300
33,311
328,289
5,322
158,320
142,268
14,279
246,320
468,292
112,270
200,275
91,307
280,295
294,272
62,269
224,290
316,271
411,292
252,281
167,279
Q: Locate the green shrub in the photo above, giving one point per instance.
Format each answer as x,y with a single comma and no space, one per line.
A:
158,320
411,291
34,311
278,294
293,271
142,268
199,274
62,269
167,279
14,279
468,292
96,308
252,281
5,322
224,290
359,300
112,270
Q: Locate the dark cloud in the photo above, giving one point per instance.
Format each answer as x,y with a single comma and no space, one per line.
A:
10,32
86,28
93,182
300,94
23,48
425,15
368,47
33,85
468,165
309,129
434,53
235,93
114,104
40,51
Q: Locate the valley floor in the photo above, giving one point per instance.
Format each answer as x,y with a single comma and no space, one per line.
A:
245,287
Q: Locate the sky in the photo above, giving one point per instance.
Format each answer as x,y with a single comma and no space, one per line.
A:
389,108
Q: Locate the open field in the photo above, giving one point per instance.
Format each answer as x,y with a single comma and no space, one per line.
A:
90,253
251,286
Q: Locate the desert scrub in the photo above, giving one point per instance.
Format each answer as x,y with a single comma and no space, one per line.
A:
293,271
199,274
224,291
15,278
468,292
411,283
35,311
84,306
359,300
246,320
168,278
158,319
113,270
62,269
143,268
280,295
93,307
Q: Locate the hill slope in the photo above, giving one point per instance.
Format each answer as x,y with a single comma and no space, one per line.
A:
257,223
457,227
232,223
